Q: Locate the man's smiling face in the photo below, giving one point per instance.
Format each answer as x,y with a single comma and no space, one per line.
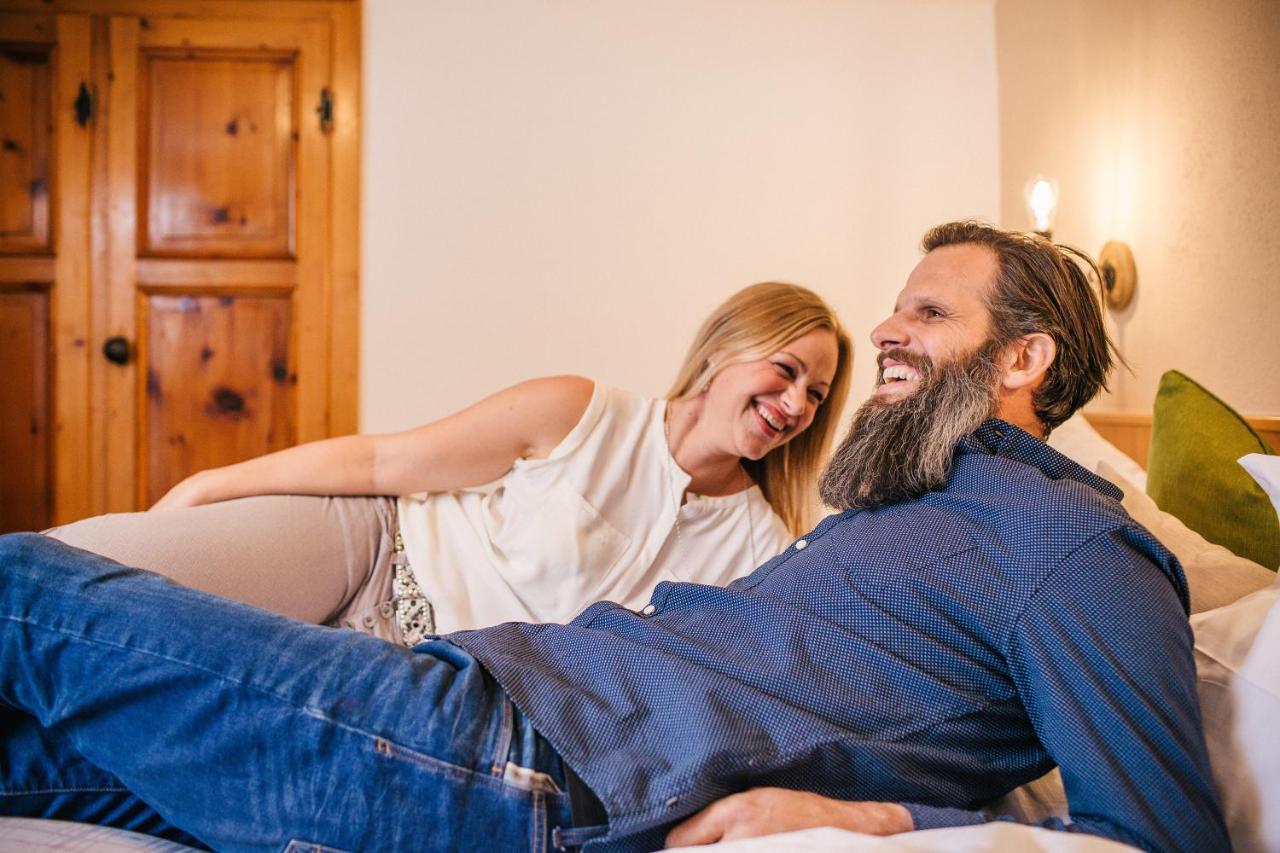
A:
940,315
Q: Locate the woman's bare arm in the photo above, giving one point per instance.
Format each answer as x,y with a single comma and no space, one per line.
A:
473,446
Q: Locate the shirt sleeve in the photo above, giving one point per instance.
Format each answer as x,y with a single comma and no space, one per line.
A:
1102,661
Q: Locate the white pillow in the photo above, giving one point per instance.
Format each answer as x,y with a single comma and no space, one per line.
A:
985,838
1266,470
1215,575
1077,440
31,835
1238,669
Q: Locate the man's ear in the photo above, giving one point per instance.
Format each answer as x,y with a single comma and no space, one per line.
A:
1026,360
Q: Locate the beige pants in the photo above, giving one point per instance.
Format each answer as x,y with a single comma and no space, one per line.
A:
319,559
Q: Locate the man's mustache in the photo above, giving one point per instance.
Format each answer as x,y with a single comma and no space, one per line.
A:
917,361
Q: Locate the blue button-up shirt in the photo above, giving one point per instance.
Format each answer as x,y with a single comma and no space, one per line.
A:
937,652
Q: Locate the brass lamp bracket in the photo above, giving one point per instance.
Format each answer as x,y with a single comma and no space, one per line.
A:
1119,276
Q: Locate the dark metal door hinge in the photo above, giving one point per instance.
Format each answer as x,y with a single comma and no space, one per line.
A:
85,105
325,110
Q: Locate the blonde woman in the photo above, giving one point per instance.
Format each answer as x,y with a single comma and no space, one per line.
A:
528,505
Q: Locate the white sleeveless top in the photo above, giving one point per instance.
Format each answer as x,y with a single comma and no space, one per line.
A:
594,520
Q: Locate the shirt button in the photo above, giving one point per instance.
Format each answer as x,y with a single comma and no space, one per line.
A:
801,544
649,610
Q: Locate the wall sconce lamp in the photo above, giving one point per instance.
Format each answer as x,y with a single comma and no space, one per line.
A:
1115,261
1042,204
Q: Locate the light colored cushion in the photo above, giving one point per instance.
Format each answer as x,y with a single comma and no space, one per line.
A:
1033,802
1238,667
28,835
1192,472
1215,576
1077,440
999,837
1265,470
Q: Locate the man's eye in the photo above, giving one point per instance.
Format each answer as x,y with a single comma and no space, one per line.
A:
933,313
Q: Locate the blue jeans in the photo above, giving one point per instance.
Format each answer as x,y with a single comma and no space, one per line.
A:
128,700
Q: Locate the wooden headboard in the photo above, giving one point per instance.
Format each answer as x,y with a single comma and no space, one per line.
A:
1131,431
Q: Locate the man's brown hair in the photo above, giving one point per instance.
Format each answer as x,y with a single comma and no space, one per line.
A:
1043,287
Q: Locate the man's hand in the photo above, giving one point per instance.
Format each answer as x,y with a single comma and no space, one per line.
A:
765,811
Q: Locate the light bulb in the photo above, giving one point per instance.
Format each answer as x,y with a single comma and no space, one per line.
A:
1042,199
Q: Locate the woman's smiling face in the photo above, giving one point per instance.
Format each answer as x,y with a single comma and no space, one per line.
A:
760,405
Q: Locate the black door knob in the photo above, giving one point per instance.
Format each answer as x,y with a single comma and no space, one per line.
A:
116,350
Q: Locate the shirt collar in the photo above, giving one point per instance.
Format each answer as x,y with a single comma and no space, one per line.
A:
1001,438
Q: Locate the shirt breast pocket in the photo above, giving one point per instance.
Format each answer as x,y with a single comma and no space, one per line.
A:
553,547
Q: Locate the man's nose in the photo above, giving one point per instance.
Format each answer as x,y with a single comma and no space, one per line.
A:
891,333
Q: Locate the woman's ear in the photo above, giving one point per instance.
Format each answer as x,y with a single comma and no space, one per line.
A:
1026,361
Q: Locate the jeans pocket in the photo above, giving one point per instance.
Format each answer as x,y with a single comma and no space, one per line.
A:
299,846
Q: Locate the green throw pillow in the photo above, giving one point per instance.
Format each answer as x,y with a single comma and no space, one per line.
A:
1192,470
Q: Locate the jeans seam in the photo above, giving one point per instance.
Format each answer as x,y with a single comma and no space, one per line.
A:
539,828
392,750
502,748
40,791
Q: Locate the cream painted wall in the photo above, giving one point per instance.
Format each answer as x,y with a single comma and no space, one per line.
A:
555,186
1160,119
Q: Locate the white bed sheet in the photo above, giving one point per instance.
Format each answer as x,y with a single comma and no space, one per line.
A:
997,837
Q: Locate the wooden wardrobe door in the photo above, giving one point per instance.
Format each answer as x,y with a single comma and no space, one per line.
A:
43,279
218,173
26,496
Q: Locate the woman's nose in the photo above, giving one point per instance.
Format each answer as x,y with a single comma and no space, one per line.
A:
793,400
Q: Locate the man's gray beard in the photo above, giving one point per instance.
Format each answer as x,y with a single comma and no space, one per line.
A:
898,450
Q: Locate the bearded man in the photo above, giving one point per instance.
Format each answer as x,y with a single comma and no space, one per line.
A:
980,610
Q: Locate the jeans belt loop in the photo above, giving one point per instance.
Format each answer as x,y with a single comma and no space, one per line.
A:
572,839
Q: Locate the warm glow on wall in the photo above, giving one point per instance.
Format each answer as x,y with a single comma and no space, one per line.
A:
1042,203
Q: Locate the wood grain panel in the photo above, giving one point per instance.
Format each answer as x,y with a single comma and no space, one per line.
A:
1131,431
98,211
77,472
25,79
36,27
313,320
225,32
344,243
223,274
1269,429
219,385
26,500
119,398
21,270
233,111
282,10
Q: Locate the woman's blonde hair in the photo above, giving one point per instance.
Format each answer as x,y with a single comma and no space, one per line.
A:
753,323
